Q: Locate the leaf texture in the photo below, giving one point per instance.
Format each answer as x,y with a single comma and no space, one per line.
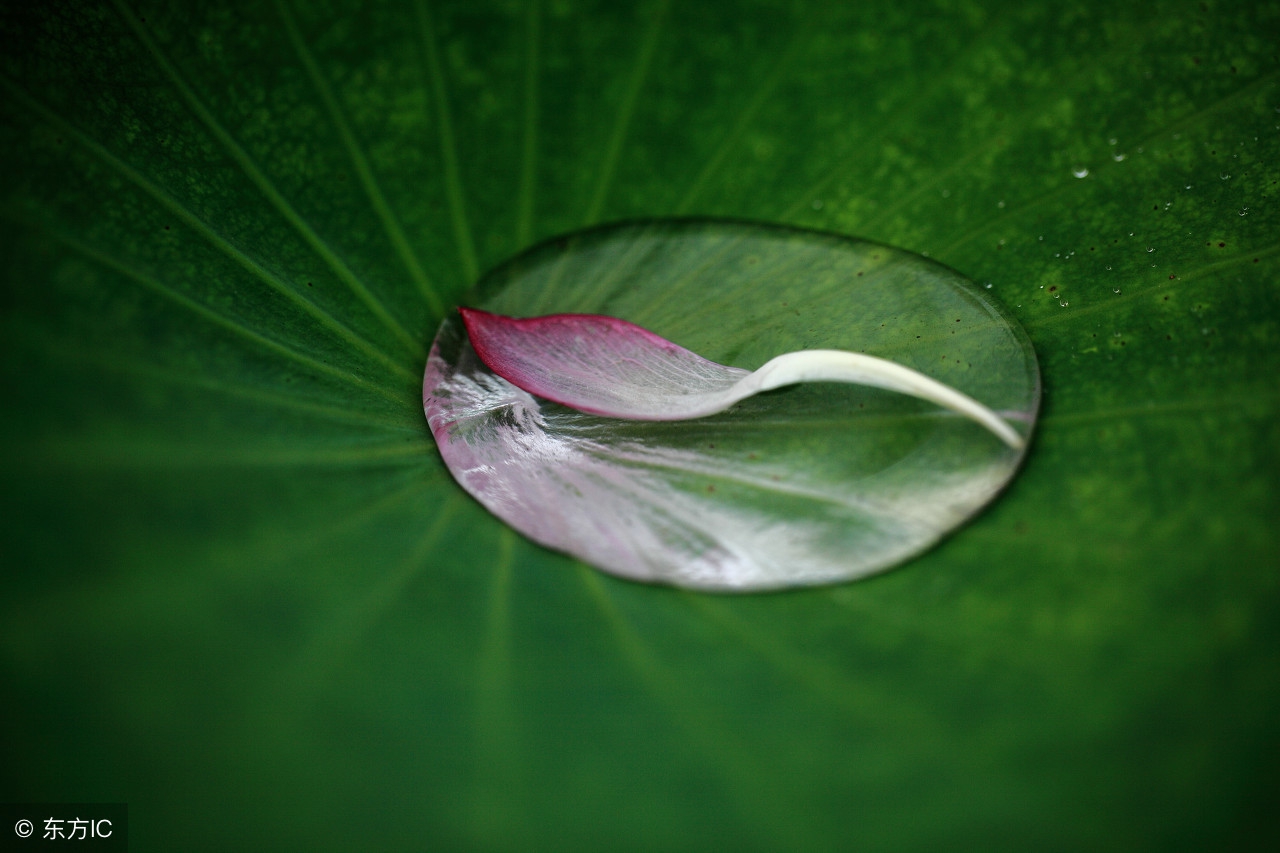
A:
241,592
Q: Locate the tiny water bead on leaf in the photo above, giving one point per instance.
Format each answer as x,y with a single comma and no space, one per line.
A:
752,488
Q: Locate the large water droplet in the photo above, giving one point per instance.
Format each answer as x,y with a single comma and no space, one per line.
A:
622,474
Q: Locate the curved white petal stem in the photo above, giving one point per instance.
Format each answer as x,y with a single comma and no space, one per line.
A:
826,365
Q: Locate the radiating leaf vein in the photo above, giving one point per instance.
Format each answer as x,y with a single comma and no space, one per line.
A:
95,359
794,48
909,107
200,226
388,218
448,146
228,323
626,111
264,185
529,147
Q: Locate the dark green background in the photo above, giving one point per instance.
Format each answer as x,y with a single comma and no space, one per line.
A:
241,593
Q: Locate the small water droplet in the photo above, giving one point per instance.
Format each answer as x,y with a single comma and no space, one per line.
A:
1225,176
988,285
1119,156
1000,203
1112,141
1188,186
1244,211
1150,249
817,204
1115,290
1108,266
946,193
1080,171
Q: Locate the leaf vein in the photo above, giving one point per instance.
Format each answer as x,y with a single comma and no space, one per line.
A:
448,147
203,228
626,111
364,171
265,186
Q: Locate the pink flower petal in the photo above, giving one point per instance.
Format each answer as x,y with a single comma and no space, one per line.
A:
606,366
596,364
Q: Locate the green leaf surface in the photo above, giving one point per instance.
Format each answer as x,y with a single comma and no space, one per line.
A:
242,594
